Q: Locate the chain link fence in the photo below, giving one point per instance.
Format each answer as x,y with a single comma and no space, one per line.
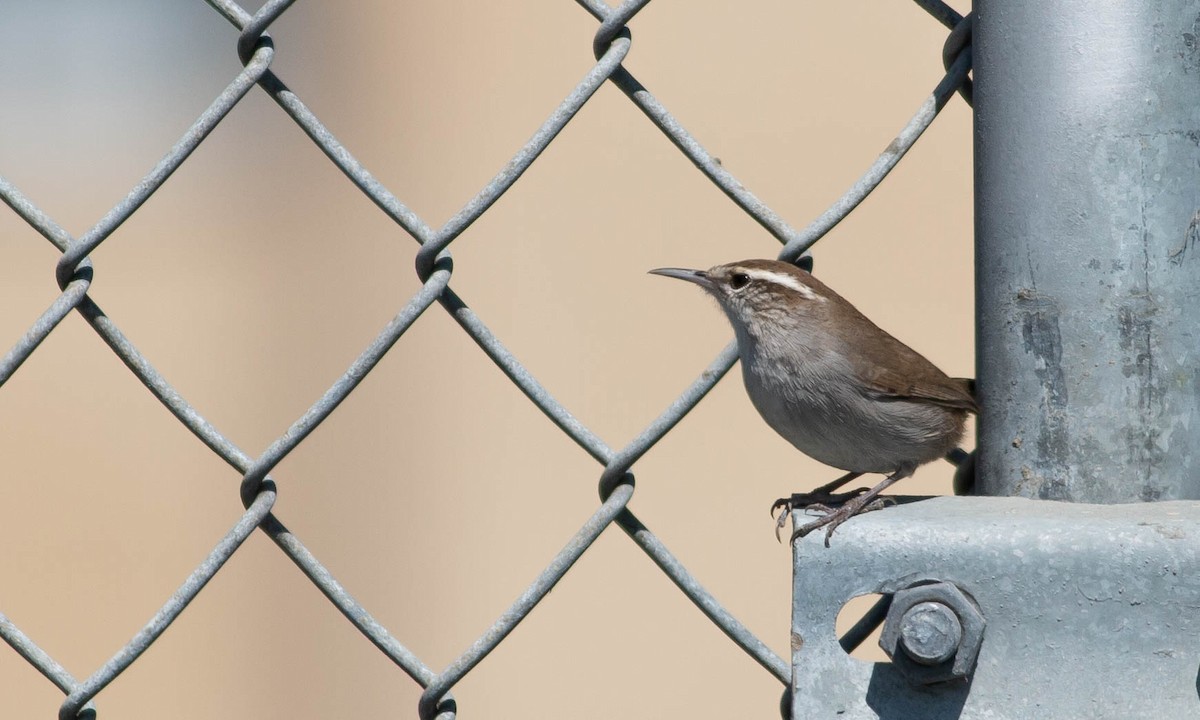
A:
435,268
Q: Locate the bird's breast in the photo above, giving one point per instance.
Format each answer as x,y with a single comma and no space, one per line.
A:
820,407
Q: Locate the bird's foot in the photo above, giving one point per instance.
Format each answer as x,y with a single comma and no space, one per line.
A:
831,517
817,499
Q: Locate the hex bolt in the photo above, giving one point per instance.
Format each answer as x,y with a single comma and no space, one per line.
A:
930,633
933,633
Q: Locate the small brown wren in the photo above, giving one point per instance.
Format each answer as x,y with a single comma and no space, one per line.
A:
834,384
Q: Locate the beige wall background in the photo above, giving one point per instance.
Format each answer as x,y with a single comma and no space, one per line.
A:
437,492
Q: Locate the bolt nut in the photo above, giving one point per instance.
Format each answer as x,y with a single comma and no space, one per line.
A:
933,633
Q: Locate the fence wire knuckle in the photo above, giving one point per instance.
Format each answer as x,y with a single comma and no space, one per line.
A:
255,50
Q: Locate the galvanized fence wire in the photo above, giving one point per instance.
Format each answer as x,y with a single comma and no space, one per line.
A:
434,267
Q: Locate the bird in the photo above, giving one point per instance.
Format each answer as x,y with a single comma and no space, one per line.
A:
834,384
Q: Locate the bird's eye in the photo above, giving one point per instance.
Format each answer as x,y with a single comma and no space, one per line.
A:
737,281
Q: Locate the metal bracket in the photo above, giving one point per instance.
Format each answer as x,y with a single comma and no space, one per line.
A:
1089,610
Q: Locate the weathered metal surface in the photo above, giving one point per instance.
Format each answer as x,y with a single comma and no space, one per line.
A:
1087,142
1091,611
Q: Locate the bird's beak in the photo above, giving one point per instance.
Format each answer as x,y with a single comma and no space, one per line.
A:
700,277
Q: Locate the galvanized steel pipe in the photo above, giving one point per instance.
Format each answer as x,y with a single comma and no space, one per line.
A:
1087,204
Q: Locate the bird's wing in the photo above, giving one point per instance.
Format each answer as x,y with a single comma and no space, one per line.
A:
878,356
957,393
921,380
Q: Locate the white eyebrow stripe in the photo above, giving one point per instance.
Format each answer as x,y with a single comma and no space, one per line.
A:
784,280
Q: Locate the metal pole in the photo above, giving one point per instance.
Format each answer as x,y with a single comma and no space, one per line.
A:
1087,141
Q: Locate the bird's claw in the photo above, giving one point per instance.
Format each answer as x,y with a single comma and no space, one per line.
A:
831,518
816,500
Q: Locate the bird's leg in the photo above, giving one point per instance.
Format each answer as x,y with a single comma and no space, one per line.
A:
865,502
823,496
